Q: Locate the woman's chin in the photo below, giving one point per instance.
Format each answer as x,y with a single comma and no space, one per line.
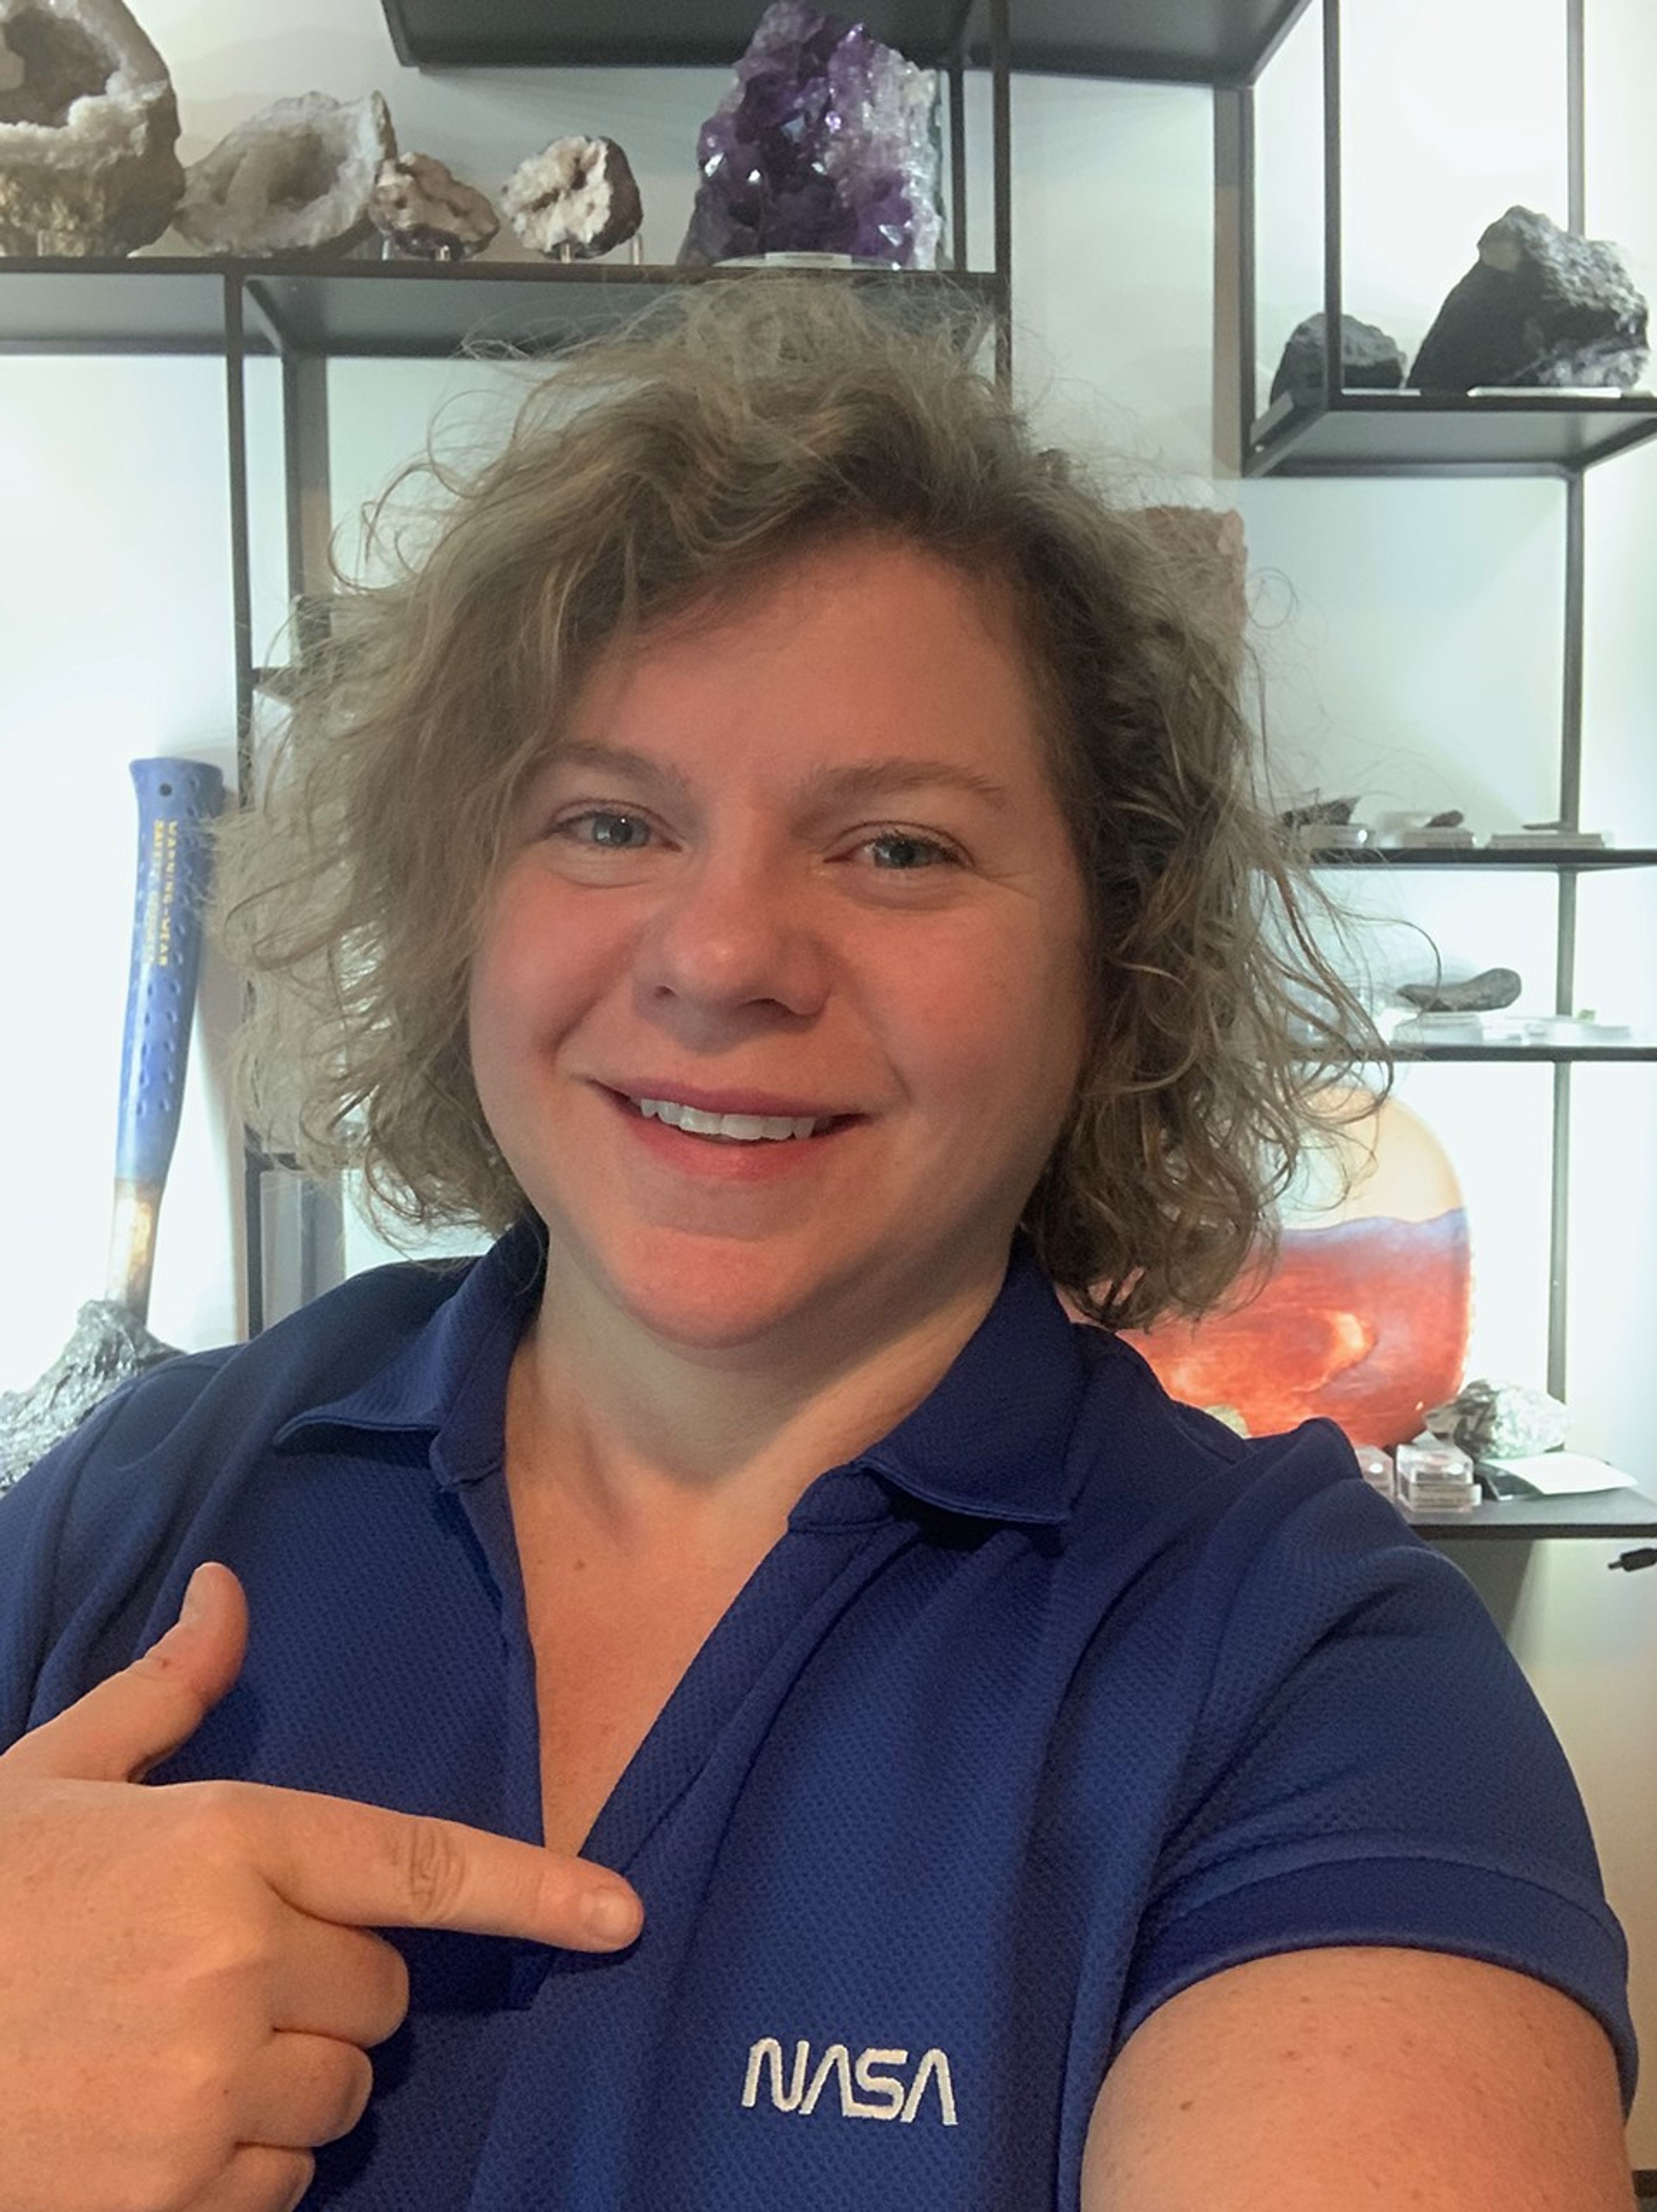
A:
715,1303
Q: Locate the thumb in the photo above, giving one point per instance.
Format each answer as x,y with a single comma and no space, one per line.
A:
130,1724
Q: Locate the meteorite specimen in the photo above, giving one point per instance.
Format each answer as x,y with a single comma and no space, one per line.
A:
424,211
826,143
1487,992
1540,306
88,128
1370,361
575,200
294,178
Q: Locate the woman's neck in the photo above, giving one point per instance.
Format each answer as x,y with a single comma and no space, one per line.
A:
647,1436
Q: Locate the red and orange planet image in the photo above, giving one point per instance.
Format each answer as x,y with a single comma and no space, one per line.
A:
1364,1316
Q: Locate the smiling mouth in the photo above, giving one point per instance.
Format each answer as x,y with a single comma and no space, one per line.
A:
736,1128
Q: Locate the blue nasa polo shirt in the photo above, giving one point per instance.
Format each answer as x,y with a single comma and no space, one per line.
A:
1054,1701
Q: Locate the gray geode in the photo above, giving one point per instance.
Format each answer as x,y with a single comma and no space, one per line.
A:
576,199
1540,306
427,213
294,178
88,126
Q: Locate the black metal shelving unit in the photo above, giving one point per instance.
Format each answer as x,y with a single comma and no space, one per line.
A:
1362,434
1353,432
305,313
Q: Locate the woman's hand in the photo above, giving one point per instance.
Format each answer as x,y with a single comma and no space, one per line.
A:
188,1986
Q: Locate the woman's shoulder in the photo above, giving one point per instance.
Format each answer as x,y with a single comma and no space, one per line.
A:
1136,1447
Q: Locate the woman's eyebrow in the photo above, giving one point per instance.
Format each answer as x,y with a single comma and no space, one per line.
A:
837,785
618,760
876,778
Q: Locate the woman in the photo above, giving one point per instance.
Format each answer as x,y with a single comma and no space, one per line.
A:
786,859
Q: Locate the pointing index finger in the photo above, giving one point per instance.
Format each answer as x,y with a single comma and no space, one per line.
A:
362,1866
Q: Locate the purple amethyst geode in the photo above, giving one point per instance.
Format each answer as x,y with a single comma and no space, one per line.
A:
827,143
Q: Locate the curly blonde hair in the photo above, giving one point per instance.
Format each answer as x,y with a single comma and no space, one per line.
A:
665,466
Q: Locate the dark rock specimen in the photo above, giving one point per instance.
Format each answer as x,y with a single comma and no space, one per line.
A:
1540,306
1487,992
825,143
1370,361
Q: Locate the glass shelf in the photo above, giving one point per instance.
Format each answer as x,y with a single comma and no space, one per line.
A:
1405,433
1552,1055
387,309
1617,1513
416,309
1553,858
156,305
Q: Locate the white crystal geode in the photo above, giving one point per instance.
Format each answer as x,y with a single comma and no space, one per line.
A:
293,179
577,197
88,128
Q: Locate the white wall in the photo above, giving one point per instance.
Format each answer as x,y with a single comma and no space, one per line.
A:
1410,632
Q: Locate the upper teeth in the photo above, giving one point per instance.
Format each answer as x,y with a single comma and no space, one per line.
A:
749,1128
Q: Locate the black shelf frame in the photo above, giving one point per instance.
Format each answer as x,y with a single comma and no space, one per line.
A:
1353,432
1499,434
1364,435
1208,42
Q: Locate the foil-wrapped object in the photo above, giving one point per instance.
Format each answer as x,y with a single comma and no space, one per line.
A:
1500,1420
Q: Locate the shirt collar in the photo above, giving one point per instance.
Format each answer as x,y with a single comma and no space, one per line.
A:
993,1438
990,1440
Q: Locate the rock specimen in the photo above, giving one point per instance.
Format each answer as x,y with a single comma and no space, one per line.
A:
88,128
576,199
1317,813
1500,1420
294,178
427,213
1540,306
826,143
1487,992
1370,361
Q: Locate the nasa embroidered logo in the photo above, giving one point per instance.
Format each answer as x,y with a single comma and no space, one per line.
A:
872,2086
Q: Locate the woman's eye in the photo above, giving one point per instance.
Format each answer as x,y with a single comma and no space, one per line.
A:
898,849
607,828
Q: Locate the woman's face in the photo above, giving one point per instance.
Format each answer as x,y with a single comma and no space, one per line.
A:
779,1004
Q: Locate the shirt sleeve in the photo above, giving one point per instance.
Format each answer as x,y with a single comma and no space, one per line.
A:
1369,1766
88,1537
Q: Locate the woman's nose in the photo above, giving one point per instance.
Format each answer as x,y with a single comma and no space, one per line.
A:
736,933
